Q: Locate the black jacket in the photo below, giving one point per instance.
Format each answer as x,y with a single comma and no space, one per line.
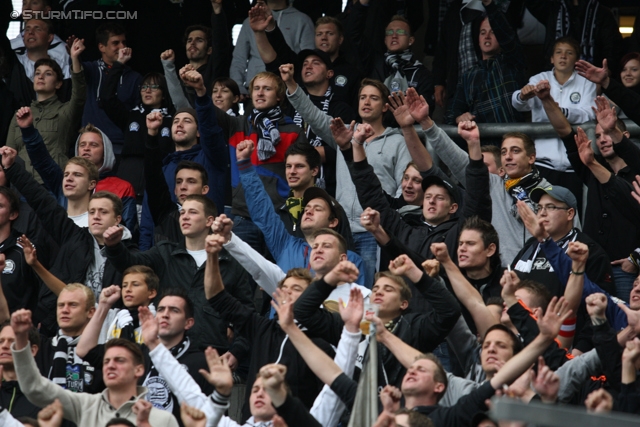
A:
374,63
133,124
611,227
270,344
176,267
346,74
12,399
477,201
76,252
598,266
19,283
423,331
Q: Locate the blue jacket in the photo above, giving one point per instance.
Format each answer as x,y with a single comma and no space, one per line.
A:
287,250
211,152
561,264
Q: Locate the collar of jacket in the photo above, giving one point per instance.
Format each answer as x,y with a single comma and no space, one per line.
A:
181,248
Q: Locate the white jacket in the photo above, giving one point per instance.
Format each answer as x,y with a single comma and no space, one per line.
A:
327,407
575,98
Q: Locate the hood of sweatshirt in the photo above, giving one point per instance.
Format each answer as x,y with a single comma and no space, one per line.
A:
109,158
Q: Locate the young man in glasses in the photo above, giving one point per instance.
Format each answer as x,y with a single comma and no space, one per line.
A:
556,208
398,68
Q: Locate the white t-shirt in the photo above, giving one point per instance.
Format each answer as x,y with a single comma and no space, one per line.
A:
199,256
81,220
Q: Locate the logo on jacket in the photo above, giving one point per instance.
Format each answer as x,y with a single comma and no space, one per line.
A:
165,132
134,127
341,81
159,394
9,267
575,97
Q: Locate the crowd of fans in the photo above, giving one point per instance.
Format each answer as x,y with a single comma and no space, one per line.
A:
179,215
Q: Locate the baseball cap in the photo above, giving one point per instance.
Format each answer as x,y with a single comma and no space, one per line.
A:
452,189
561,194
318,193
324,57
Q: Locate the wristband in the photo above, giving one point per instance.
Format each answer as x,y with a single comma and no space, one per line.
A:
353,140
577,273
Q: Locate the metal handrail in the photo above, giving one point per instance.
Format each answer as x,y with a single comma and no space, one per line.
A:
534,130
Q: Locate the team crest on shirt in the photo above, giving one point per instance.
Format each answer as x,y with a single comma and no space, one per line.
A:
575,97
9,267
134,127
159,394
341,81
165,132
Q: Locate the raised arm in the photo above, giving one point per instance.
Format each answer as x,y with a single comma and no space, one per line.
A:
260,21
549,326
408,110
264,272
465,292
91,333
31,257
176,92
588,158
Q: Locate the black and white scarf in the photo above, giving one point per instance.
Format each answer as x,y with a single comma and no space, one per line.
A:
519,189
587,38
525,263
400,63
162,399
126,325
268,133
63,357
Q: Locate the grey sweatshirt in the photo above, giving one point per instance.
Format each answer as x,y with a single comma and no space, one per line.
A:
387,154
511,231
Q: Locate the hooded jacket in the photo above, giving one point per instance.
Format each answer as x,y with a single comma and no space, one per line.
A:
298,31
57,123
53,174
19,282
128,92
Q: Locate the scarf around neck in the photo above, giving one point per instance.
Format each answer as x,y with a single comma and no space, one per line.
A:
127,326
65,370
519,189
268,133
400,63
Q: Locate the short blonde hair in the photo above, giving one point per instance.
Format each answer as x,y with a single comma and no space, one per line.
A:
281,89
91,298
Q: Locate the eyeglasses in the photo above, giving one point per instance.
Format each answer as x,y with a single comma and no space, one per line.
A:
152,87
550,208
399,32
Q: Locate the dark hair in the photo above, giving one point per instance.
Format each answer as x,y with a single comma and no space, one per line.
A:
150,277
528,144
115,200
440,374
416,419
495,150
541,294
34,335
324,20
105,31
209,207
495,301
488,234
516,344
188,164
133,348
230,84
118,421
192,28
48,62
567,40
307,150
180,293
158,79
621,125
14,201
384,91
402,19
405,290
342,243
628,57
47,22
